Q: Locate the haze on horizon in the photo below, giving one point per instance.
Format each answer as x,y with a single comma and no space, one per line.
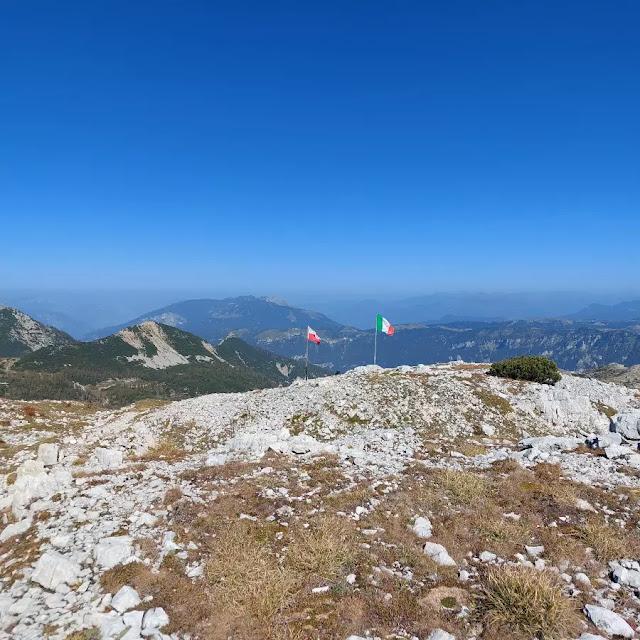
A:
330,150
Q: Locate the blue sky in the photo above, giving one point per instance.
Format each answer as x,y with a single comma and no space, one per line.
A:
353,147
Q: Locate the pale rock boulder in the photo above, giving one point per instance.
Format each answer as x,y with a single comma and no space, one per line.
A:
49,454
440,634
127,598
108,458
551,444
568,404
627,424
422,527
34,483
614,451
608,622
133,623
54,569
153,620
602,440
112,551
590,636
628,577
439,554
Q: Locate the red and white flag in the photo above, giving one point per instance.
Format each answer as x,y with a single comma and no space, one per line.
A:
312,335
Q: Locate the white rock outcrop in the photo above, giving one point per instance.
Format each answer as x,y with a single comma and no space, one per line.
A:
438,554
609,622
54,569
112,551
126,598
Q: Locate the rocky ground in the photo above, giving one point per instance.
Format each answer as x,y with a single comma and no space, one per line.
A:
420,502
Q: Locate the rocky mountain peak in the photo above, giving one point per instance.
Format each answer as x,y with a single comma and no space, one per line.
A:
20,333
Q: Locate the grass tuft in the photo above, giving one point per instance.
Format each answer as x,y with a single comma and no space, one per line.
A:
527,603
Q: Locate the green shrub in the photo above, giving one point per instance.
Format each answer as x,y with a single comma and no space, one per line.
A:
533,368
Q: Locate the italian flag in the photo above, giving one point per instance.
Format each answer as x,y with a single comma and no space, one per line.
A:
382,324
312,335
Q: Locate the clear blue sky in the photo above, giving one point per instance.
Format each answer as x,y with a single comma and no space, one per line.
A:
369,146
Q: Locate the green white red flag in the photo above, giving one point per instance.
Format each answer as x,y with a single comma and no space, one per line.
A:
382,324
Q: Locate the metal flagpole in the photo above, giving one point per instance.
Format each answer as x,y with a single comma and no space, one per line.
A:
306,366
375,343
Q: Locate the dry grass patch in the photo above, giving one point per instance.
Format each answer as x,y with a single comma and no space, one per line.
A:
250,589
520,602
608,542
166,449
324,550
463,488
24,550
605,409
85,634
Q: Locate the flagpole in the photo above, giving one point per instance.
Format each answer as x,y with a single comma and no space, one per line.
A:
375,343
306,366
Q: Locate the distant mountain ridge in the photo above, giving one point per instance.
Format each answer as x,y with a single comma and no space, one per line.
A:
277,327
622,312
214,320
148,360
21,334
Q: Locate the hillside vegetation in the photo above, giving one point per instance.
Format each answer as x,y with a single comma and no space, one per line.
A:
145,361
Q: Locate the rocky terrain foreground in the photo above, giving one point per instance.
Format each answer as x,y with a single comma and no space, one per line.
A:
418,502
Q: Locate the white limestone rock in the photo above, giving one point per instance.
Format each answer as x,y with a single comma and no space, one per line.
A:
614,451
54,569
440,634
127,598
608,622
108,458
15,529
110,552
49,453
422,527
439,554
627,424
153,620
133,621
549,444
629,577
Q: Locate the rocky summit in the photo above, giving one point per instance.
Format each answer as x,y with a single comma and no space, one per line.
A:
21,334
429,502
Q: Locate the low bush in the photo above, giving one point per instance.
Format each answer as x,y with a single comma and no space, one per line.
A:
532,368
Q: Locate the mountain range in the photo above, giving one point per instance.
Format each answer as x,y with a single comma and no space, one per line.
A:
147,360
575,344
200,346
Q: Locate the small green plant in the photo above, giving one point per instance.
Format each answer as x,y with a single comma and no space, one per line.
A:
532,368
